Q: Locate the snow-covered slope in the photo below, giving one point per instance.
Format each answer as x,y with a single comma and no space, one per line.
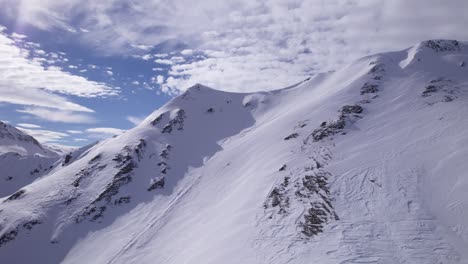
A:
22,159
362,165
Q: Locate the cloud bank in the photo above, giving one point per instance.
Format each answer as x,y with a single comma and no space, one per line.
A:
245,45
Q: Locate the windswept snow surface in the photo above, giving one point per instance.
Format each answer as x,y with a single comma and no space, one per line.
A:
363,165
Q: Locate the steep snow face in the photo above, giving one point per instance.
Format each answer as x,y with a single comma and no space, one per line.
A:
22,158
362,165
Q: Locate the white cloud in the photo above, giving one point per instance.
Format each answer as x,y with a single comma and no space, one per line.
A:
161,55
25,125
37,97
45,136
158,79
164,61
103,132
110,73
177,59
147,57
251,45
58,116
74,131
135,120
26,81
142,47
18,36
187,52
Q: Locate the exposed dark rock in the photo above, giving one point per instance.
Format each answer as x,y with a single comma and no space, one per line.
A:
29,225
329,129
437,80
176,123
351,109
164,154
82,174
335,127
448,99
99,214
275,197
126,165
283,168
316,183
120,158
429,90
210,110
68,158
96,158
446,88
293,135
278,197
156,184
70,200
18,194
77,182
8,236
139,149
314,219
122,200
167,129
377,69
157,120
442,45
112,188
369,88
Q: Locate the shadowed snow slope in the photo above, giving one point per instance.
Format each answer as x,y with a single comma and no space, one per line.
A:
362,165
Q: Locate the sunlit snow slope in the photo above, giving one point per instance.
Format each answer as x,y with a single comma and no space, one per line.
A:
363,165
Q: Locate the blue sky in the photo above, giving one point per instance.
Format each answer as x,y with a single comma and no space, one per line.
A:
72,72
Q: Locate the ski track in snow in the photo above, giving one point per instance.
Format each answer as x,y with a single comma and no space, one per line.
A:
379,229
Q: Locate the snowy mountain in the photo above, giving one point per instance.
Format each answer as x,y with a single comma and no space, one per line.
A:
366,164
22,158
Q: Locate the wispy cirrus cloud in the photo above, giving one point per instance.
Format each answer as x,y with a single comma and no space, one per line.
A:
103,132
52,115
135,120
45,136
26,125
